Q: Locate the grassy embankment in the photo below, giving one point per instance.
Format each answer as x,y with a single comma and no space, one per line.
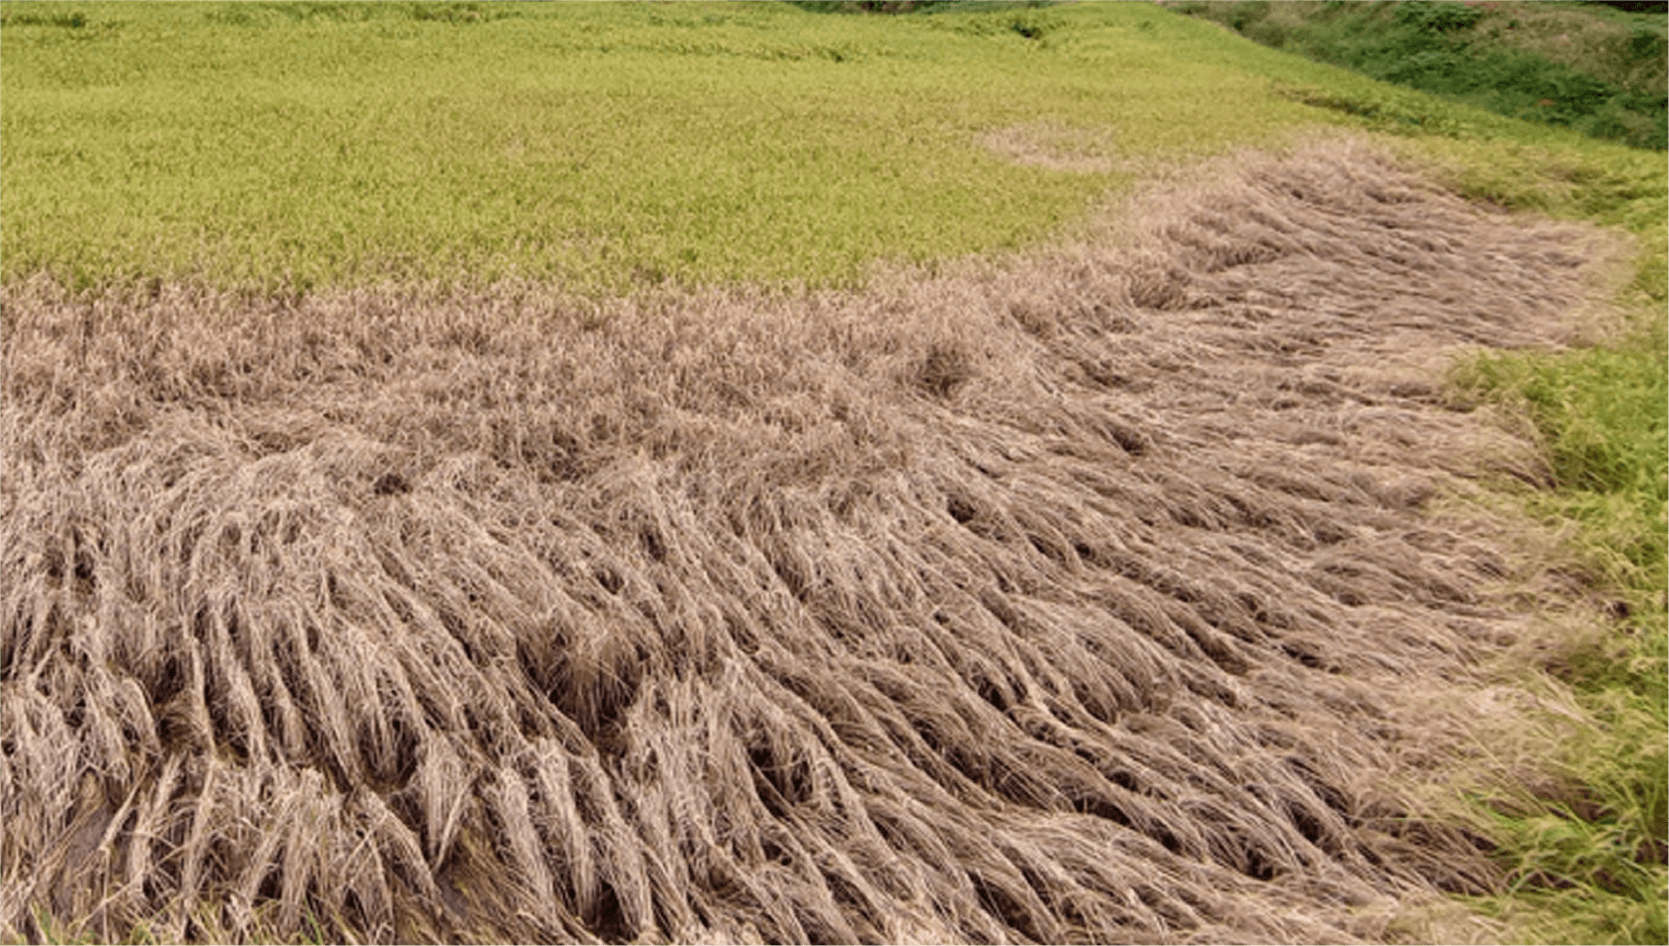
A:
624,148
1584,66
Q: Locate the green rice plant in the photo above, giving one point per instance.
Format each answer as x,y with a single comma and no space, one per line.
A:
599,145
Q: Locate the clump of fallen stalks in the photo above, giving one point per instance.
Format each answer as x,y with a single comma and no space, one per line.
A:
1062,599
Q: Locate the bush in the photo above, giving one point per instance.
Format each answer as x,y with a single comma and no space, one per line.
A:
1245,14
1437,17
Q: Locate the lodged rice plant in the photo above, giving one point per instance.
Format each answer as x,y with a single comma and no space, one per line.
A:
1093,594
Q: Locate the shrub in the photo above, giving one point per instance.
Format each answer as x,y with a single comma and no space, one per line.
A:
1437,17
1245,14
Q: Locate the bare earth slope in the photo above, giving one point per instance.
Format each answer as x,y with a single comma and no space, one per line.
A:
1076,598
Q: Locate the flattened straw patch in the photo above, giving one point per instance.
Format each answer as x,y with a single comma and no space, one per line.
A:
1071,599
1051,147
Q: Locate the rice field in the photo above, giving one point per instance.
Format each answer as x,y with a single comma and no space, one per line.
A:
598,146
1054,528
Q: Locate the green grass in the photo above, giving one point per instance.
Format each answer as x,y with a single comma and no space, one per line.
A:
1591,68
599,145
